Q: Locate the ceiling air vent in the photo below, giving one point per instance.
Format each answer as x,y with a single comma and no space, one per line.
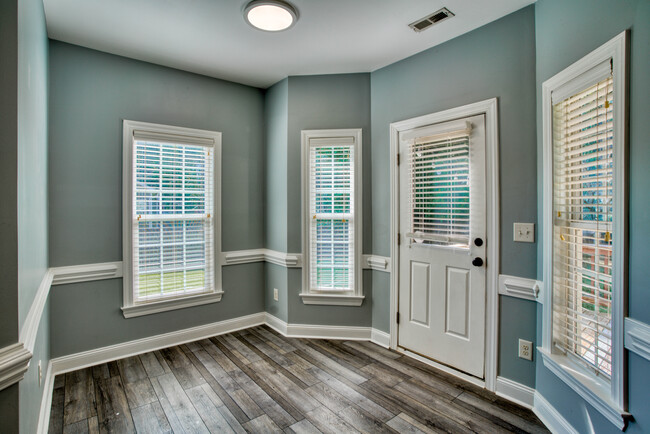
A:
430,20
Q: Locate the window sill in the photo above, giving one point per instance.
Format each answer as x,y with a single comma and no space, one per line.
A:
172,304
332,299
592,389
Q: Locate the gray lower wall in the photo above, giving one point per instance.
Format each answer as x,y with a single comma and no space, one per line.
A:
511,311
30,390
87,315
90,94
496,60
567,31
276,278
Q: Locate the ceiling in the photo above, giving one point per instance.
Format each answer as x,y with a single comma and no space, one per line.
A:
210,37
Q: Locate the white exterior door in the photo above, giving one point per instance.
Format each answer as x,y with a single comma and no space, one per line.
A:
442,228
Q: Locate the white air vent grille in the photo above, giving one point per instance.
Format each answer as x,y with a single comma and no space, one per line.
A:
430,20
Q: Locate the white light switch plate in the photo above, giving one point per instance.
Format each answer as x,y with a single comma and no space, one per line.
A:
275,294
524,232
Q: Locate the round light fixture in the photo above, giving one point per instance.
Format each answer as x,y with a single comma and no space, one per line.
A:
270,15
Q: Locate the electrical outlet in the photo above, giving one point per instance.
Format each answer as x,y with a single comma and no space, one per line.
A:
524,232
276,296
525,349
40,374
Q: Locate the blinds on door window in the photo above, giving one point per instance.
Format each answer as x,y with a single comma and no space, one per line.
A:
172,239
332,210
439,189
583,230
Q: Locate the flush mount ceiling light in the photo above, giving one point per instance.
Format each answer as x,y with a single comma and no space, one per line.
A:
270,15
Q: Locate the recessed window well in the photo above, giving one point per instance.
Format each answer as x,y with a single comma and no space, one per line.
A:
270,15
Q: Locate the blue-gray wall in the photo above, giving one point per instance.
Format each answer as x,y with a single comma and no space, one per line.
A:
9,190
8,173
276,124
23,177
90,94
326,102
32,202
567,31
496,60
292,105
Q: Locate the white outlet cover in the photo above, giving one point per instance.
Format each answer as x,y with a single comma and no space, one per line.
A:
524,232
275,294
525,349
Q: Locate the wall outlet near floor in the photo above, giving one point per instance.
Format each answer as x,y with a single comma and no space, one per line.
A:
525,349
276,297
524,232
40,374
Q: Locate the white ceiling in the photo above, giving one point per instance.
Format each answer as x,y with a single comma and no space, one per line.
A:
210,37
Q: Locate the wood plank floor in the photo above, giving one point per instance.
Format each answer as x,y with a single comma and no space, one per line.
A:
258,381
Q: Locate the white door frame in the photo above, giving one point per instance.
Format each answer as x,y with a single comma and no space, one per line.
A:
489,109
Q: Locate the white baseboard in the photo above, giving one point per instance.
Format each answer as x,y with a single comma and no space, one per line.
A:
380,338
318,331
118,351
328,332
276,324
553,420
516,392
46,402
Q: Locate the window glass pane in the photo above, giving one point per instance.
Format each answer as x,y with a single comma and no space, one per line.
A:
332,210
583,230
439,192
173,190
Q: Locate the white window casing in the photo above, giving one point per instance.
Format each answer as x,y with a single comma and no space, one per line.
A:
332,202
585,236
171,217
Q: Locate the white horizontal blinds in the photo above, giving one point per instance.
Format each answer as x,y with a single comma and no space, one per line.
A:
173,194
439,189
331,206
583,231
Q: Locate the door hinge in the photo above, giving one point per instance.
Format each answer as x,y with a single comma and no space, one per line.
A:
399,239
398,159
397,318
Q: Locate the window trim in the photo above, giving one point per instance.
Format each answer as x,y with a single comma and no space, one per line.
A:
611,402
129,308
313,297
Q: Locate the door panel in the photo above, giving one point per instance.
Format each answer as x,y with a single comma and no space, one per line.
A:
442,208
420,292
457,313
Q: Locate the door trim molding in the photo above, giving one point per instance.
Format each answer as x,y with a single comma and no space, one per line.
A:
489,109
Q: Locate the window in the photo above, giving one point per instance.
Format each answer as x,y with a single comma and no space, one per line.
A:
584,227
170,218
583,207
332,217
439,187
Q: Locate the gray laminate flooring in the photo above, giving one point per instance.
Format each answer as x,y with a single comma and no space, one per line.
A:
256,380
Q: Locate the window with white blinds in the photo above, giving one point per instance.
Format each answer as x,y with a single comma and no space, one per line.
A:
332,212
171,214
583,231
332,208
439,190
